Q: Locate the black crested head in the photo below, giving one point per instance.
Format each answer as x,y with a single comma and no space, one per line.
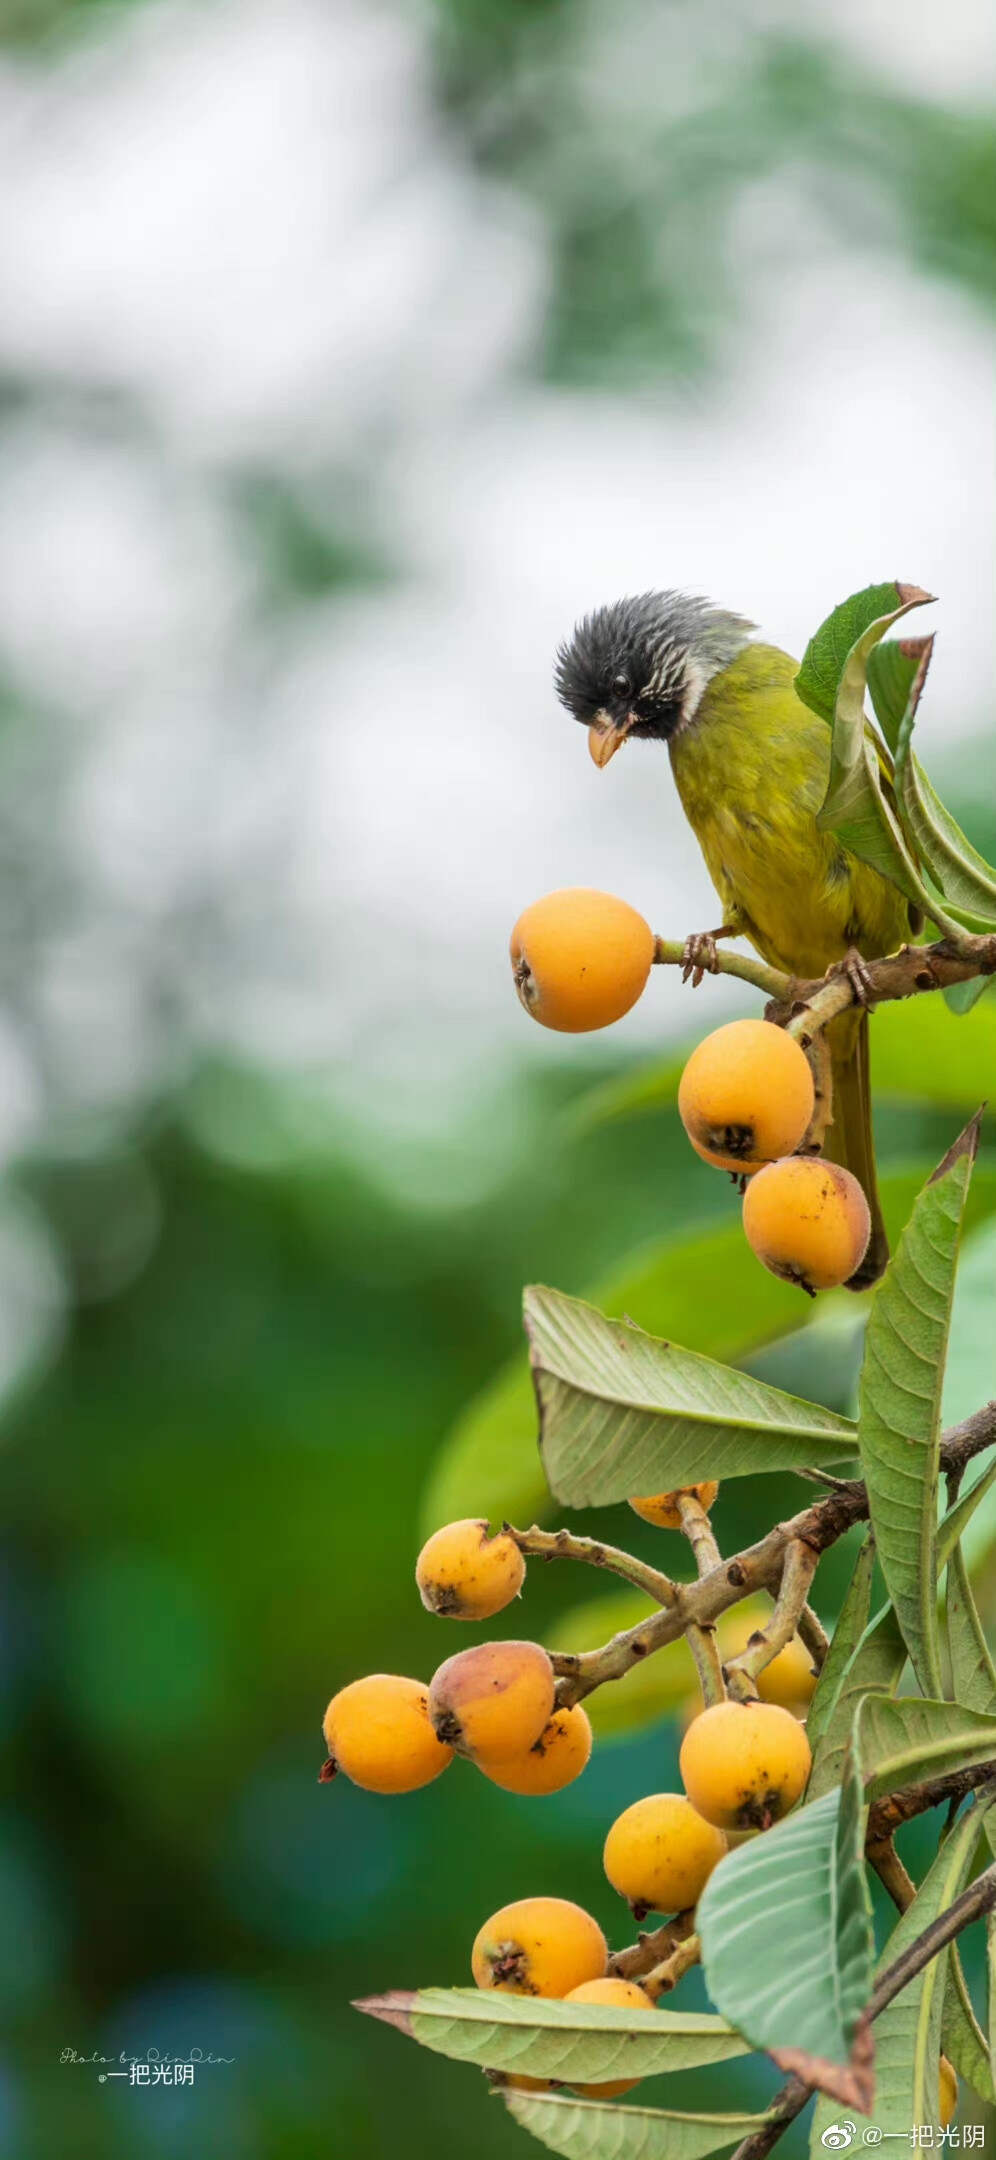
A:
639,667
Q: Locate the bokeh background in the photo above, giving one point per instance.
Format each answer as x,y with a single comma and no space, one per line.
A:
347,353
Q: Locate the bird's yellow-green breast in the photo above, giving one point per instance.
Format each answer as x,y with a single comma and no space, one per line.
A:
751,769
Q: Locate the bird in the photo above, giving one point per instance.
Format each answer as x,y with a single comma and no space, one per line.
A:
751,763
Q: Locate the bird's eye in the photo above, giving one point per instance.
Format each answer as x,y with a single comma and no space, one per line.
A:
621,685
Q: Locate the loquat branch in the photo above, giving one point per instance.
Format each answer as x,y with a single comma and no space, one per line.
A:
670,952
758,1567
561,1545
663,1977
881,1854
653,1948
911,970
798,1570
888,1815
702,1640
814,1635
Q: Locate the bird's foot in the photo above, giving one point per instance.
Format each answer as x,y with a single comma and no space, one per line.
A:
857,975
700,956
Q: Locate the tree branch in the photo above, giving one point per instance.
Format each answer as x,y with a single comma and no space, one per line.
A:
758,1567
902,974
663,1977
702,1640
653,1949
798,1569
561,1545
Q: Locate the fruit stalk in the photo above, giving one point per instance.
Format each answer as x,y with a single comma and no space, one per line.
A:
702,1640
561,1545
797,1573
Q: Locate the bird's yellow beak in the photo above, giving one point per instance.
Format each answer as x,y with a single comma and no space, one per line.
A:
605,737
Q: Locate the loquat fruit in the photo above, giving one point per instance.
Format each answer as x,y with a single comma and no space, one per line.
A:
660,1853
662,1508
947,2091
378,1734
465,1574
808,1221
745,1765
580,959
554,1760
493,1701
619,1995
539,1946
746,1095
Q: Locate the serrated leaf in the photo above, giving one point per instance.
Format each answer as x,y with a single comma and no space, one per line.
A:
899,1422
847,1634
575,2043
828,650
892,669
651,1690
908,2032
622,1412
856,806
960,873
875,1667
805,1982
904,1740
596,2130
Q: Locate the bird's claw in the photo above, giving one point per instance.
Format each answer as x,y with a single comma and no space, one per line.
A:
857,975
699,957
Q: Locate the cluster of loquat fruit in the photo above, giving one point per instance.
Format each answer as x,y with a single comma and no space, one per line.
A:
747,1099
743,1764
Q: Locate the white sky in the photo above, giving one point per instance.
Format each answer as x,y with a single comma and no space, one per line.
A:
245,221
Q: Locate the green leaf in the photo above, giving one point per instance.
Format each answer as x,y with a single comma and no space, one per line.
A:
804,1982
875,1667
908,2032
847,1634
576,2043
962,997
892,669
622,1412
970,1378
973,1675
961,2037
906,1739
900,1401
829,649
651,1690
957,1519
856,807
960,873
597,2130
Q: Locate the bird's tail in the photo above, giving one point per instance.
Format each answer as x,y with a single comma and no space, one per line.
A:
848,1138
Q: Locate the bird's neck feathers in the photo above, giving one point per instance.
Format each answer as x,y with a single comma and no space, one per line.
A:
720,640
